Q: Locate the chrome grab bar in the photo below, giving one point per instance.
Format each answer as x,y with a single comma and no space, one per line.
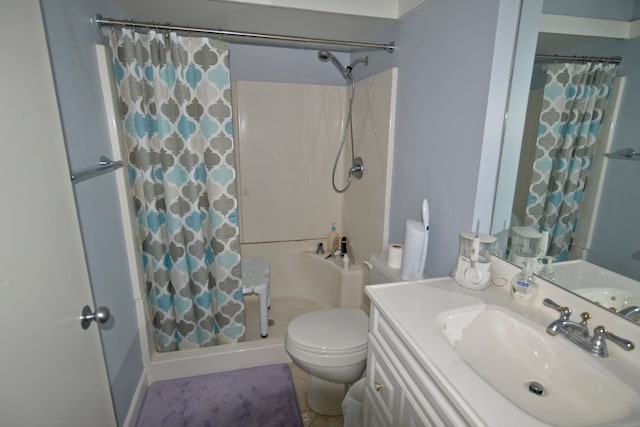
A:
105,165
624,154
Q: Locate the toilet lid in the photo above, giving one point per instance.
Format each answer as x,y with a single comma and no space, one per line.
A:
333,331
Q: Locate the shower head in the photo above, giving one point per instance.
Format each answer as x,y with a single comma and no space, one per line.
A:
325,56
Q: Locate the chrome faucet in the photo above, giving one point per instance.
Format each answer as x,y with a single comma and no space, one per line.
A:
630,311
578,332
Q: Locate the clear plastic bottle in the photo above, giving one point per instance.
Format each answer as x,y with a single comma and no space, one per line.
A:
547,270
333,241
524,285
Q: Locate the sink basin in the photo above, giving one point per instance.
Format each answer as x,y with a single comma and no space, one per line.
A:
554,381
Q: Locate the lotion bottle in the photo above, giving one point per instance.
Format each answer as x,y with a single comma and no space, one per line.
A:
333,241
524,285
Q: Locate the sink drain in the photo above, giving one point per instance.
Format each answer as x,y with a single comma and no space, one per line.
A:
536,388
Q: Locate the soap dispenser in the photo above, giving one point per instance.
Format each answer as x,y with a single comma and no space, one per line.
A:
524,285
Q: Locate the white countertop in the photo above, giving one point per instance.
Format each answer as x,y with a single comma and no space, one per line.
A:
412,307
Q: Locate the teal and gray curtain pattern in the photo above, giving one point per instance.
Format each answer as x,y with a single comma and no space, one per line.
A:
175,102
574,99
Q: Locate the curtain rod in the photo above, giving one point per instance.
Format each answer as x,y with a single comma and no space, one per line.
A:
389,47
605,59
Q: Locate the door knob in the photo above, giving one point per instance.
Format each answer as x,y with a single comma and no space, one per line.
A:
101,315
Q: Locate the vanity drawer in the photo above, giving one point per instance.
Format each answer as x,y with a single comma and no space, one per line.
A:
382,386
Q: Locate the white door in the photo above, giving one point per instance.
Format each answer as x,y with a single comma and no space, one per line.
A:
52,371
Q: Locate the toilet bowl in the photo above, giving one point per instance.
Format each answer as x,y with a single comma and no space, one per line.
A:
331,346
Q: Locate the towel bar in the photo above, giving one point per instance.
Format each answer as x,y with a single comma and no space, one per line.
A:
105,165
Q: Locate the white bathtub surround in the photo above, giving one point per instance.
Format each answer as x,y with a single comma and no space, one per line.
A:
435,381
288,136
297,271
367,202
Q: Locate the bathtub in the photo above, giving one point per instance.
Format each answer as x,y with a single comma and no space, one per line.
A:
296,273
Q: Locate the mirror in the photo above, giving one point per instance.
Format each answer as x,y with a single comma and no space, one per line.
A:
602,262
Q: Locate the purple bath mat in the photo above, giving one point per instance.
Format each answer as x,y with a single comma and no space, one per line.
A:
260,397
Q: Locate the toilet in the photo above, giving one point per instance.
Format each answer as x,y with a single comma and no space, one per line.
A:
331,346
256,276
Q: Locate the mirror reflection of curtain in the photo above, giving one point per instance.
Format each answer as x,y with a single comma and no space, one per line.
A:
175,102
575,96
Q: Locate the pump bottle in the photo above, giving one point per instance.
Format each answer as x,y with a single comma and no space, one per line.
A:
333,241
524,285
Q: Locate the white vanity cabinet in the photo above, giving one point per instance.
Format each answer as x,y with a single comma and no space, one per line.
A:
399,391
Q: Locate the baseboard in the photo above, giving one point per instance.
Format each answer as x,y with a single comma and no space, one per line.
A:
136,401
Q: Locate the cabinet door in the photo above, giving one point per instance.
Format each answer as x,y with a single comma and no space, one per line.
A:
413,416
372,416
383,385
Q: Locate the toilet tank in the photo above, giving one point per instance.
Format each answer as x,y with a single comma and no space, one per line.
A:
380,272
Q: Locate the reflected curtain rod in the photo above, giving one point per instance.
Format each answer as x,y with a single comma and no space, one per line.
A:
605,59
101,21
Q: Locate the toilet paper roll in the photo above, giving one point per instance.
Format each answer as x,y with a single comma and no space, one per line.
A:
394,256
412,251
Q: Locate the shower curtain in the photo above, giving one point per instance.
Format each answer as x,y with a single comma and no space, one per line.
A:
575,96
175,103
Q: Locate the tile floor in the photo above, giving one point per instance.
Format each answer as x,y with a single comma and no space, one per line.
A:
310,418
283,310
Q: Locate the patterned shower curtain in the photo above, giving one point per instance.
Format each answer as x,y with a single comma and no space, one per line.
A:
175,103
575,96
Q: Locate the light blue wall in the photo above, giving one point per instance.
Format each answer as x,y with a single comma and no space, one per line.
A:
72,39
620,10
284,65
444,67
636,11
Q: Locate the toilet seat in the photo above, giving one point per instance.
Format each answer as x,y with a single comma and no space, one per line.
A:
329,334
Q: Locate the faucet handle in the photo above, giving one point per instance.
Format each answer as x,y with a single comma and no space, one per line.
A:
600,346
585,315
565,312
